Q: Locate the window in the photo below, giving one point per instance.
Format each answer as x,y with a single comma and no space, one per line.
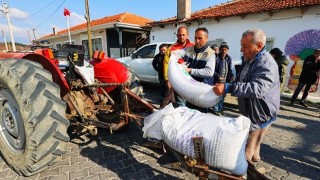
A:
67,42
215,42
58,46
269,44
96,46
147,52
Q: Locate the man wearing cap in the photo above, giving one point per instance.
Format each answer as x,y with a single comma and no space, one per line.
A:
222,74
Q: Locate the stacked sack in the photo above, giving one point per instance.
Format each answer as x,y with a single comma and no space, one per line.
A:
224,137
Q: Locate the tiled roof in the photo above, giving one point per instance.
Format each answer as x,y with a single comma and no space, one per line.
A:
125,17
242,7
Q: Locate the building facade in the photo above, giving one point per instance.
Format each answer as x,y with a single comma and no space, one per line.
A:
280,20
117,35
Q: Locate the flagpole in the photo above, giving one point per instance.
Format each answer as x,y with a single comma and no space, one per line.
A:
88,29
68,29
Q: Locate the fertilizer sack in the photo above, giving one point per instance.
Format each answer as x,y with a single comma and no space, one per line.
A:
224,138
193,91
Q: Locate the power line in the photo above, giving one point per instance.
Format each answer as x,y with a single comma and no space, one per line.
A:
41,9
51,15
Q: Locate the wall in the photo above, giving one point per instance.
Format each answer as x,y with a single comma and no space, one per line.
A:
278,26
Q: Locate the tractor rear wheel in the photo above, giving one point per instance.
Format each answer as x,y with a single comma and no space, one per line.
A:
32,117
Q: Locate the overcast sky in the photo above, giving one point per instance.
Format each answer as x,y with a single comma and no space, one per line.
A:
36,18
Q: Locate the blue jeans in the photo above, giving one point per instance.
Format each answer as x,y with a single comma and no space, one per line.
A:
180,101
219,106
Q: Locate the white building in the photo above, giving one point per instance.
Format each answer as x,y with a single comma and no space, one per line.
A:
280,20
117,35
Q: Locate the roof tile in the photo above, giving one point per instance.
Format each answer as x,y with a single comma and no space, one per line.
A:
242,7
122,18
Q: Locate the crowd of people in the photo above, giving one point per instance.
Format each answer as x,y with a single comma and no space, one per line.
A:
261,74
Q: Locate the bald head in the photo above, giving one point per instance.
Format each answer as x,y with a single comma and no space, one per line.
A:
182,34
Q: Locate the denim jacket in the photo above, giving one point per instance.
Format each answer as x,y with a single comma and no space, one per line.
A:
259,94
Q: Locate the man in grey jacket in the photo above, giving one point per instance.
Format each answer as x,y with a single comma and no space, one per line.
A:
257,87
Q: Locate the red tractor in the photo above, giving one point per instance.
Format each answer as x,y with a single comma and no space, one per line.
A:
41,97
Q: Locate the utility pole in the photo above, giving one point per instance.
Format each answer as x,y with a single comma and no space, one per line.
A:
88,28
5,10
34,33
5,41
29,37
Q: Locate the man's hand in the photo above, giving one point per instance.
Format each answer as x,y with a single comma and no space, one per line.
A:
218,88
188,70
168,84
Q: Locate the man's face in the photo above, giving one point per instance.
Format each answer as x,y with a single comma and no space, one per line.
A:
163,50
216,49
182,35
224,51
248,48
200,39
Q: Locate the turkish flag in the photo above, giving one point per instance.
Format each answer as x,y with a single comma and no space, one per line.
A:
66,12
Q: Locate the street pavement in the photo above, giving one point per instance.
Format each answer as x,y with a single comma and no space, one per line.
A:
290,150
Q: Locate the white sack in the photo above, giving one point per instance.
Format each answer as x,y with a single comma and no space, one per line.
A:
195,92
152,123
224,138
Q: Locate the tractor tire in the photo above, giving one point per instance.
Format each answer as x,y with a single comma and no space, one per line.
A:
32,117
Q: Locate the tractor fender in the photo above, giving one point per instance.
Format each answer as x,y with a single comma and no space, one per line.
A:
109,70
51,65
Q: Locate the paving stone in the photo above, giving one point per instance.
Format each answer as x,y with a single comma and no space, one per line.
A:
2,164
93,177
153,163
63,176
78,174
62,163
139,175
149,172
4,172
51,172
69,168
108,175
11,177
124,171
87,151
129,162
85,165
70,155
96,170
34,177
291,177
144,158
114,166
78,160
276,174
45,178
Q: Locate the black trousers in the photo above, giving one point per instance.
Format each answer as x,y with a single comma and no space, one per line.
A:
298,89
